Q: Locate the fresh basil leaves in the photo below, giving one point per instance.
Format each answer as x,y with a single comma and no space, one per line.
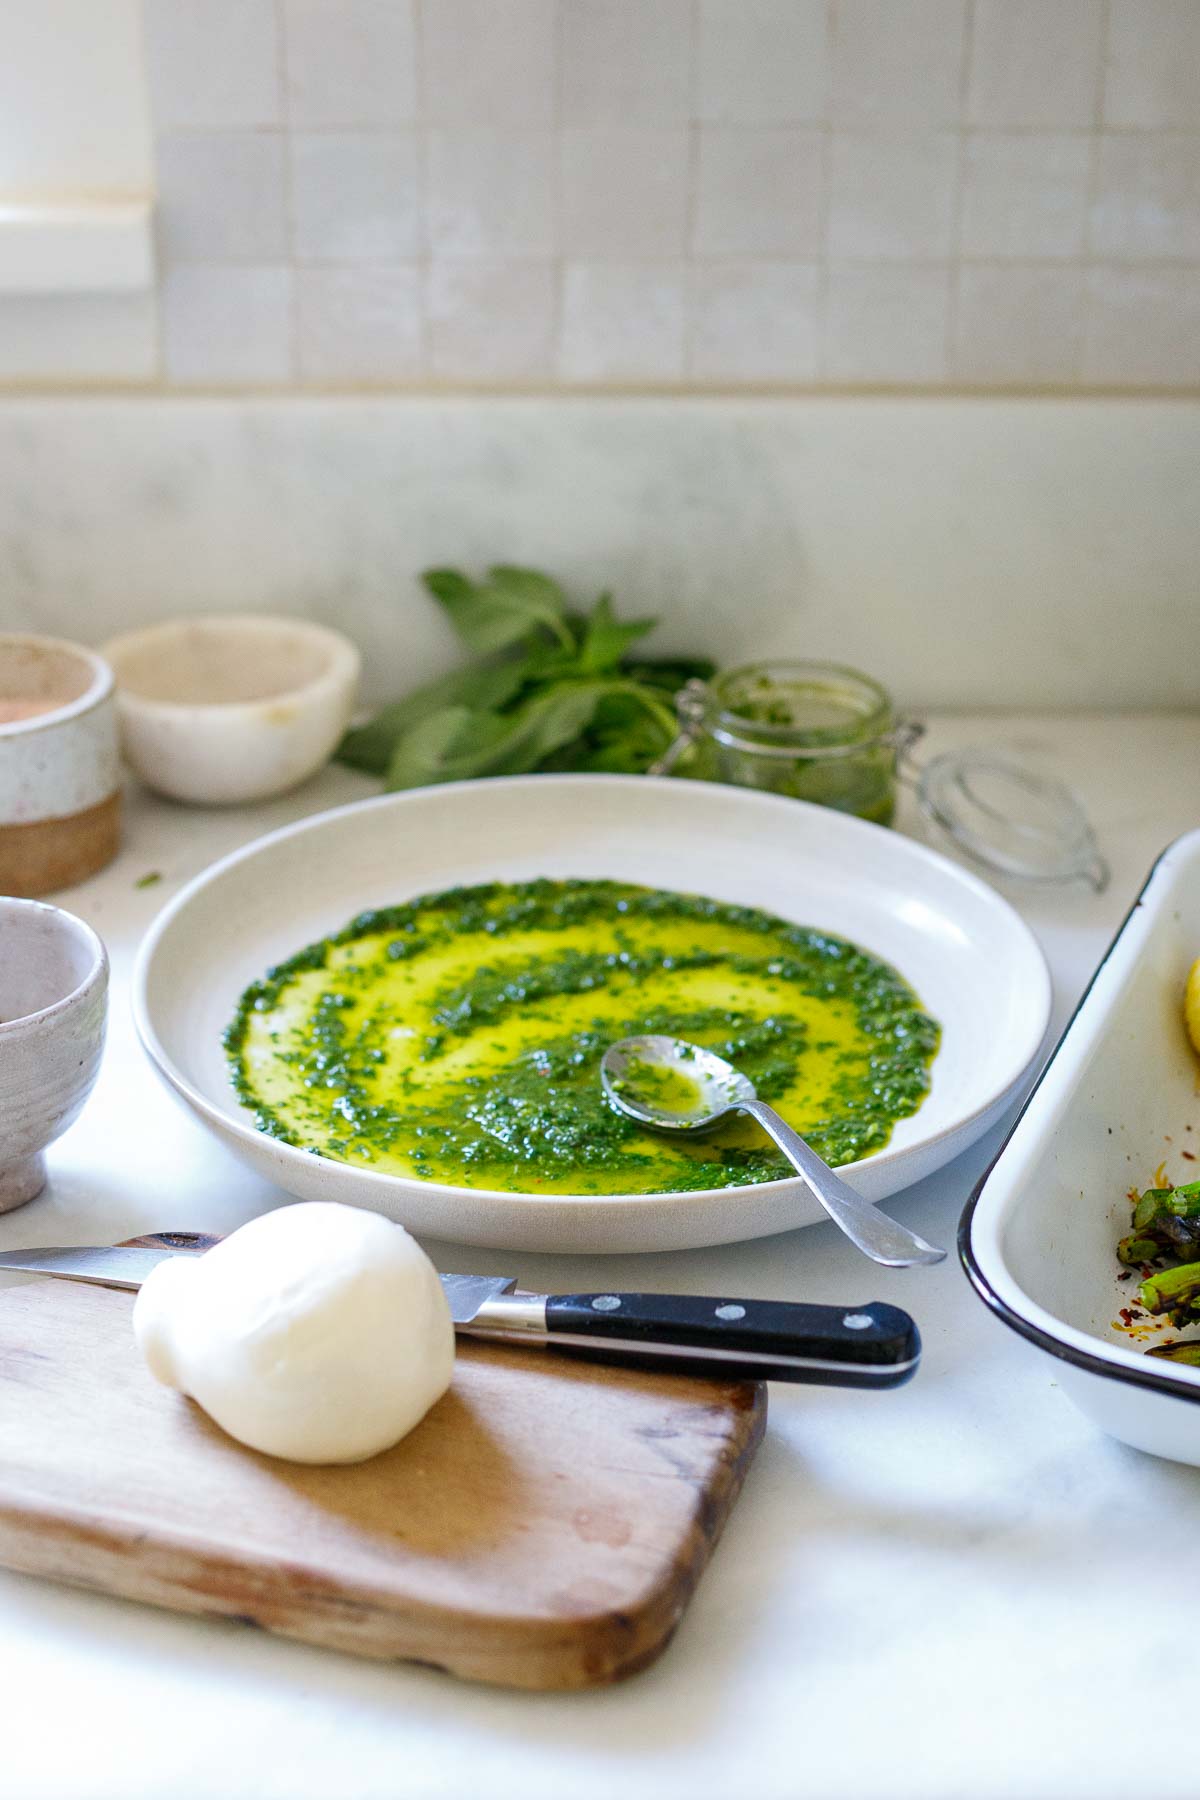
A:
552,689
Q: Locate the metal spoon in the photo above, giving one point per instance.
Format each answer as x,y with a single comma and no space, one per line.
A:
671,1085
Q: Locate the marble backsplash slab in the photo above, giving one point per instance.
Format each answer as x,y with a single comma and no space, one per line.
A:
971,552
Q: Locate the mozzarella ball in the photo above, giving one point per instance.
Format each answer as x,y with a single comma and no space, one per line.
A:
318,1333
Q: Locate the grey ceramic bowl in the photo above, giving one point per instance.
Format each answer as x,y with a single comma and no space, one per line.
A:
53,1004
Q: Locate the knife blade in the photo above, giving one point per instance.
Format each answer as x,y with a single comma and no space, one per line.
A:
874,1345
127,1266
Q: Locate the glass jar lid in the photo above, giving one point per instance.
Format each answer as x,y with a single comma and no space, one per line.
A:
1010,819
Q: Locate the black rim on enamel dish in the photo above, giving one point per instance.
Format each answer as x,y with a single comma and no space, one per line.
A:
1093,1361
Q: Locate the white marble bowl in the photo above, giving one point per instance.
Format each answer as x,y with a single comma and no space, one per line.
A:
232,707
53,1003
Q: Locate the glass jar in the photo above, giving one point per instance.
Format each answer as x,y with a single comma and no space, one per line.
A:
815,731
827,733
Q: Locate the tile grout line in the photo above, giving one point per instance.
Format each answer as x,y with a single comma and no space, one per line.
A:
289,208
55,388
359,128
1092,195
690,282
955,260
424,256
558,261
779,260
825,210
559,258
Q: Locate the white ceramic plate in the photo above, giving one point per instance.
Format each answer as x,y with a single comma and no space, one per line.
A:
973,962
1038,1237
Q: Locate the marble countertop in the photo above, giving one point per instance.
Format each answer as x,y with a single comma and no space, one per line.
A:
921,1594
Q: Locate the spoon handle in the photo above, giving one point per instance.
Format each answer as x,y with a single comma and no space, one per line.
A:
881,1238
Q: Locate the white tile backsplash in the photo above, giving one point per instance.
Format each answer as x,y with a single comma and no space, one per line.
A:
1147,200
490,192
213,63
1035,62
762,62
886,324
1025,194
897,66
1152,79
624,191
1017,325
755,321
675,192
228,324
489,64
350,62
222,197
355,196
356,323
626,62
623,322
1142,328
491,320
892,198
758,191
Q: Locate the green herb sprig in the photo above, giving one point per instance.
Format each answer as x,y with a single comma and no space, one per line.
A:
549,689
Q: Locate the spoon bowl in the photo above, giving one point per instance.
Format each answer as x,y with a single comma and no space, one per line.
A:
669,1085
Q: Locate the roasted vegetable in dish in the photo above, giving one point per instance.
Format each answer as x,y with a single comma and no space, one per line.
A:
1166,1222
1166,1229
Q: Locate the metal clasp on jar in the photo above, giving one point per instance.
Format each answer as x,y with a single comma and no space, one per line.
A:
691,709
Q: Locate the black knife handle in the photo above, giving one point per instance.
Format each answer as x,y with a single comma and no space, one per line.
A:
875,1346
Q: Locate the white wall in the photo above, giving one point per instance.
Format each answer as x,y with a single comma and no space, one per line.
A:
968,552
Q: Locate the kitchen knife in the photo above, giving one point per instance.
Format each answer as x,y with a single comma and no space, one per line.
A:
872,1346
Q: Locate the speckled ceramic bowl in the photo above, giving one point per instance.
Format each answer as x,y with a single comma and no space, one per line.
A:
53,1003
59,768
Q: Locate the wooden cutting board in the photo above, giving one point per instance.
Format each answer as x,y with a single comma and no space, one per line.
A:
543,1527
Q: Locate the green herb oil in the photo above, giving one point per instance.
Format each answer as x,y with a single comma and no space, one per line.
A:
458,1038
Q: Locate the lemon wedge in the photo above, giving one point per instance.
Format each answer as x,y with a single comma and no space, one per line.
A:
1191,1005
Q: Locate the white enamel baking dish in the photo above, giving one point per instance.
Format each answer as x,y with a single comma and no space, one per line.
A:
1118,1096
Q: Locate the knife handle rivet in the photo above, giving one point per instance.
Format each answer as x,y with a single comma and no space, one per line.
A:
731,1312
858,1321
606,1303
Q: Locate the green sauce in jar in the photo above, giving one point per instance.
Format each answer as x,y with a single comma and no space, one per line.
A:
814,731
